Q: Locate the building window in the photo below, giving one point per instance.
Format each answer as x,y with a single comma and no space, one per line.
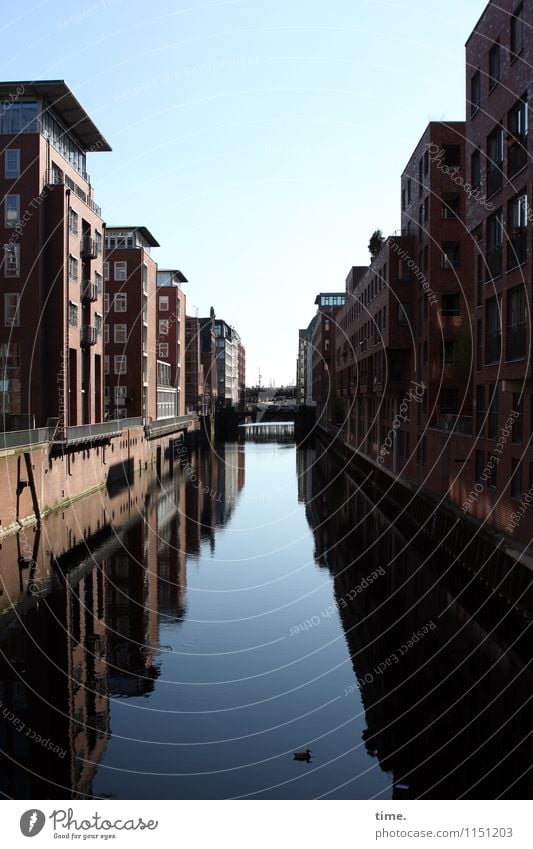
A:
12,163
449,402
480,409
121,270
493,330
163,350
404,316
480,466
12,309
516,478
145,276
493,411
106,303
516,323
106,363
98,282
517,231
517,123
11,260
449,351
494,161
163,303
73,222
479,345
98,323
518,424
120,364
403,200
99,241
409,191
475,169
120,334
12,210
475,93
452,155
106,271
494,66
73,314
163,327
495,243
451,256
72,268
106,333
450,205
450,304
517,31
121,302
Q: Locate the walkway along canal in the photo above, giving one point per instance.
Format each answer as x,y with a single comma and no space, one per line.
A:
183,638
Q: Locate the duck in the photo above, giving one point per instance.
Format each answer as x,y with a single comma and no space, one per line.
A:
303,756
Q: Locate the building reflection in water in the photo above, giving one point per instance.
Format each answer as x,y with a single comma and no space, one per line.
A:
80,625
451,716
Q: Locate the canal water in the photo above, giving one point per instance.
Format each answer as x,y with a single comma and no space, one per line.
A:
184,638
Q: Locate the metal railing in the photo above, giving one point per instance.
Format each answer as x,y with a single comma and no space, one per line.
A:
450,423
21,438
89,336
89,291
53,178
154,428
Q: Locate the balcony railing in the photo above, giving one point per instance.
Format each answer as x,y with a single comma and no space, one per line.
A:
88,248
89,335
516,341
89,291
450,423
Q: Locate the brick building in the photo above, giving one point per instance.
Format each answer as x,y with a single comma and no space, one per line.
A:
131,364
171,308
51,342
323,355
194,371
209,362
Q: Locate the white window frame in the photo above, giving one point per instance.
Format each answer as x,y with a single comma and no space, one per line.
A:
164,303
120,334
73,222
120,270
163,350
106,363
106,271
122,299
13,172
11,309
163,327
72,268
106,333
73,312
13,270
10,223
120,364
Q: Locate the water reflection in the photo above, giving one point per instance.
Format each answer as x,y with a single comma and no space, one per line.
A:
151,646
447,704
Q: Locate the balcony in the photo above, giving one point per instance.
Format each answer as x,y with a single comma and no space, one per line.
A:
88,248
57,178
450,423
517,248
89,292
88,336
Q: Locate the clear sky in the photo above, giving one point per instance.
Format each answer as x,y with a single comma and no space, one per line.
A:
261,141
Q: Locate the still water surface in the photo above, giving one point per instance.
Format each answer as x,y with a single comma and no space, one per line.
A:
254,605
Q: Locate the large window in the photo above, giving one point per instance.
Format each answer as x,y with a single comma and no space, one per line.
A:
12,309
517,122
12,163
516,478
73,222
495,243
517,30
450,304
475,169
516,323
494,66
73,314
493,337
494,161
12,210
451,256
475,93
18,118
517,231
72,268
164,302
11,260
163,327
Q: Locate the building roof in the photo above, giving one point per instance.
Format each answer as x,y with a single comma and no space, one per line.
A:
65,105
329,295
144,231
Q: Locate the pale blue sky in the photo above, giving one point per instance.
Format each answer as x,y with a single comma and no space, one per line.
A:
261,141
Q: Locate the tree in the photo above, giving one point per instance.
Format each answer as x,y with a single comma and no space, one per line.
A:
377,240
